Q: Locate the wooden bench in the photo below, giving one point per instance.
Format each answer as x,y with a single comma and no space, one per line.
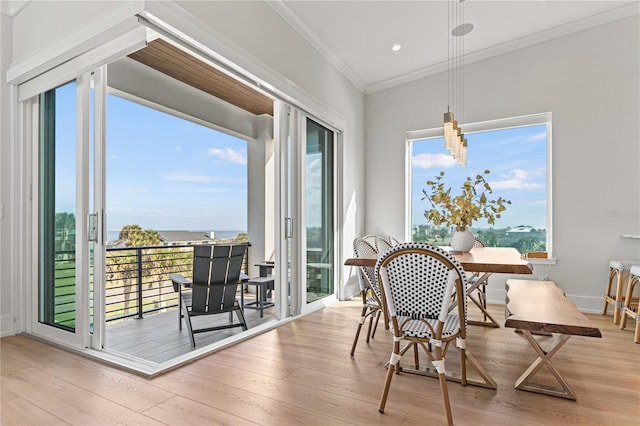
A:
542,307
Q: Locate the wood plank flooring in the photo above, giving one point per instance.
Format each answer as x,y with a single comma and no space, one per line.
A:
157,337
301,374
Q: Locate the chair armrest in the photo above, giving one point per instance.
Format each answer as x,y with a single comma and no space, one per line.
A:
178,280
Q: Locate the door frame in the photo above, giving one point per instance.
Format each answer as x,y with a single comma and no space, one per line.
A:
81,336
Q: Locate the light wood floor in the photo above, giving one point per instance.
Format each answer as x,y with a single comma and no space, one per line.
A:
301,373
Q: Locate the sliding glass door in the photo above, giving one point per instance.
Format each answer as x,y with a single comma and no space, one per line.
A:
57,215
68,248
307,182
319,211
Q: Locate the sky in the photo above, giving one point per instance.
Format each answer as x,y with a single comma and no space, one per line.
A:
516,158
166,173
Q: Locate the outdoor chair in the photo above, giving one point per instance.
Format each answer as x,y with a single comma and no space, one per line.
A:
419,282
371,302
216,275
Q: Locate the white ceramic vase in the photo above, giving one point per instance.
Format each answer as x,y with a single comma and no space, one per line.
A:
462,240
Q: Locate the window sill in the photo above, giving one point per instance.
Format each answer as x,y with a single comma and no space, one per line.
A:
541,261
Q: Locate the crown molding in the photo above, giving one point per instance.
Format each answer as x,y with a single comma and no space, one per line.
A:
510,46
12,7
296,23
630,9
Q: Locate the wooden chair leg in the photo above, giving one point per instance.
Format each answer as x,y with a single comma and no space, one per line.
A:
617,307
375,326
607,295
628,312
370,327
442,377
393,363
360,322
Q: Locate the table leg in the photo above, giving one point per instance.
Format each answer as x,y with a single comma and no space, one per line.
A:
480,304
544,358
259,298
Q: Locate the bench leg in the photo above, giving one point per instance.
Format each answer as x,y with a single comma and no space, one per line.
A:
544,358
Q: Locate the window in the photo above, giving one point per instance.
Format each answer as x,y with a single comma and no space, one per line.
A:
516,151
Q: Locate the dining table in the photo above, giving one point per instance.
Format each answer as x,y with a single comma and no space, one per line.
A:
485,261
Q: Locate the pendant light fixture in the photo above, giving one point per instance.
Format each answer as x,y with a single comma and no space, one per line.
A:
454,140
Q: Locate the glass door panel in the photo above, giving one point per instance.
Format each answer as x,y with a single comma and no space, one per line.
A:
58,174
66,192
319,212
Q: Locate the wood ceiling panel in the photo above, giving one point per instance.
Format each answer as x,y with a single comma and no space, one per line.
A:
175,63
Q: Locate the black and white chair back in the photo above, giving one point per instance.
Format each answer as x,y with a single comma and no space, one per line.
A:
370,291
423,289
382,244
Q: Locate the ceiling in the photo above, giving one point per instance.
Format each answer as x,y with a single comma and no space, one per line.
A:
168,59
357,36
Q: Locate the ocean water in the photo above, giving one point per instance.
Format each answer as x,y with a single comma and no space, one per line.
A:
113,235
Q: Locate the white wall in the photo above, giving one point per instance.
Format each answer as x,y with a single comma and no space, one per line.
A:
6,317
590,82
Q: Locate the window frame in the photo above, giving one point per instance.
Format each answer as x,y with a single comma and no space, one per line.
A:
486,126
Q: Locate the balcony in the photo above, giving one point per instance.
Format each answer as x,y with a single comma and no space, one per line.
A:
140,303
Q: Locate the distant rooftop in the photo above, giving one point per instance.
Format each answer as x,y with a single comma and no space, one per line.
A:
175,237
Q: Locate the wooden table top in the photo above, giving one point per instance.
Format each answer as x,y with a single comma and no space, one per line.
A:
543,306
505,260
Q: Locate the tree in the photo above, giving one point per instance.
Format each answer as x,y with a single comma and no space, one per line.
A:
442,233
135,236
122,265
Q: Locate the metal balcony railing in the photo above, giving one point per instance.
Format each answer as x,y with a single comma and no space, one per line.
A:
137,280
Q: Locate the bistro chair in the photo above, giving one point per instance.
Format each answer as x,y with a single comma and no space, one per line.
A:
631,305
618,273
482,288
216,275
369,290
371,239
418,283
382,244
393,240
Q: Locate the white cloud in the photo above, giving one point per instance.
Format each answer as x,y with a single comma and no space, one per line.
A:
228,154
183,189
184,177
428,161
178,148
536,137
517,179
115,157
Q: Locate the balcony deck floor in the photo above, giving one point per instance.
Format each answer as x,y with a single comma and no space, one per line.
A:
157,338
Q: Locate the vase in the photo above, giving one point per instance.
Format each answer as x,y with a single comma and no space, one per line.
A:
462,240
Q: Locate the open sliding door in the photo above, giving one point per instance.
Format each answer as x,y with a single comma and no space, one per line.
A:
308,257
68,199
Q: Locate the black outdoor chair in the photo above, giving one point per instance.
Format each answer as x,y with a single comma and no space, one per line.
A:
216,275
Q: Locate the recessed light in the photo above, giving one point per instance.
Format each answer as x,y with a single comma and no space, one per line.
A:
462,30
396,47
